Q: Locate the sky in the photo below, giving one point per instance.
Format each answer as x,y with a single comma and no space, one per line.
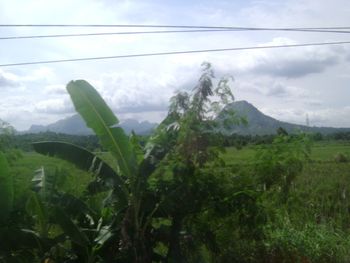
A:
287,84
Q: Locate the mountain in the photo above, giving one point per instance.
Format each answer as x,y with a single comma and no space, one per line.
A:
75,125
261,124
141,128
258,124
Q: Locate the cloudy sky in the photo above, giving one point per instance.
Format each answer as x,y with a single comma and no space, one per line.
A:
287,84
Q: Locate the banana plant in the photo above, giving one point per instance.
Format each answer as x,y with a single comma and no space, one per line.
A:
86,230
126,183
16,244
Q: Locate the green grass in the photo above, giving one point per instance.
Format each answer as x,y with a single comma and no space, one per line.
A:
76,181
326,151
320,152
233,156
323,187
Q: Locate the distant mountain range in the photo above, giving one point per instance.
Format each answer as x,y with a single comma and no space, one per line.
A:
258,124
75,125
261,124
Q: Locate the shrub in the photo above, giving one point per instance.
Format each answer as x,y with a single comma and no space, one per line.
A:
341,158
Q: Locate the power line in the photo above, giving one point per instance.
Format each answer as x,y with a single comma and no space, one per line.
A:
179,26
168,26
120,33
173,53
164,32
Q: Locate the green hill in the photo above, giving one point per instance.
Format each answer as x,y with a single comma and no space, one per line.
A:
261,124
76,126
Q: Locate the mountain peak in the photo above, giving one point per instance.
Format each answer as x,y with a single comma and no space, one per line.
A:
242,105
75,125
261,124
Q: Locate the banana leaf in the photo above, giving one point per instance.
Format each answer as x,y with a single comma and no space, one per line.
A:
99,117
87,161
70,229
36,207
44,183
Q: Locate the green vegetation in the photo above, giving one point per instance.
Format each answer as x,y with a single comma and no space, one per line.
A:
177,196
324,151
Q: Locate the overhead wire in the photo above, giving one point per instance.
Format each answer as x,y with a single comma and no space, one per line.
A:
189,29
174,53
119,33
165,32
174,26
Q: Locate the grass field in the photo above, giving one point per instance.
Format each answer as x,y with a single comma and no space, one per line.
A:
320,151
23,169
315,220
323,187
321,167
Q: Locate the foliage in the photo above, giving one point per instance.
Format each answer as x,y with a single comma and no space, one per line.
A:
80,224
190,123
6,189
24,141
341,158
279,163
6,132
183,179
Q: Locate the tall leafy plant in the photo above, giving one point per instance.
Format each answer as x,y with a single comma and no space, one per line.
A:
99,117
81,225
125,183
184,143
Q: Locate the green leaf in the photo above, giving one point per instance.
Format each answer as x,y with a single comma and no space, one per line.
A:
77,155
44,183
6,189
99,117
74,206
36,207
137,147
85,160
70,229
104,234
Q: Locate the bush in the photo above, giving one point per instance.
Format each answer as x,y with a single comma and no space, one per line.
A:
341,158
13,155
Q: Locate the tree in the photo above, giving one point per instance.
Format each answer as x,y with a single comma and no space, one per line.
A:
6,131
187,134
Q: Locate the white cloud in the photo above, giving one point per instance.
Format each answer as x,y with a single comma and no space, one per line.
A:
42,73
326,117
7,81
55,89
54,106
130,91
288,63
335,117
302,79
292,115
